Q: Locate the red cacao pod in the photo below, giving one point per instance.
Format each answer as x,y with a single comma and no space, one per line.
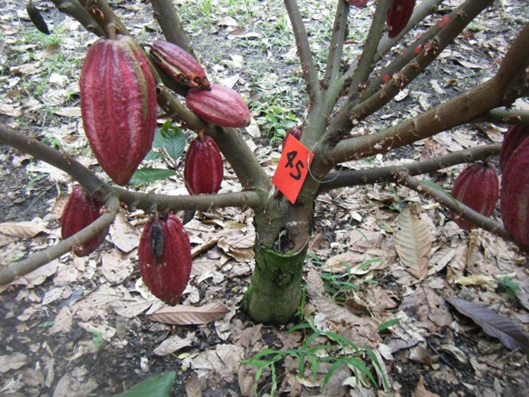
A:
514,199
295,132
399,14
179,64
164,256
515,135
79,212
358,3
203,168
478,187
118,105
221,106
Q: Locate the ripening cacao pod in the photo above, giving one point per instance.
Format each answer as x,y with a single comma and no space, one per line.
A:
79,212
164,256
221,106
358,3
179,65
295,132
478,187
514,199
118,105
515,135
203,168
399,14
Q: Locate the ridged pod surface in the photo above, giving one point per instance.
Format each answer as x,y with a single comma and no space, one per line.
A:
514,136
221,106
79,212
179,65
477,186
118,105
399,14
164,256
514,199
203,168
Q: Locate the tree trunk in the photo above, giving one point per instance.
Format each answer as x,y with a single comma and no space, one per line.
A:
275,293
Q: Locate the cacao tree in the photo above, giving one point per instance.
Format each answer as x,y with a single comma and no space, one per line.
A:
341,96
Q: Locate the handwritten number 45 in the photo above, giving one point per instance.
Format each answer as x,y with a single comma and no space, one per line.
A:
291,156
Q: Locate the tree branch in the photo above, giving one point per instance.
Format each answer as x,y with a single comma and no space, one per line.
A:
307,62
348,178
375,97
165,13
459,110
41,258
74,9
507,116
453,205
339,30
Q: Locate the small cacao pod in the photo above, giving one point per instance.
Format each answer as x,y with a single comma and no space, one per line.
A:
118,105
221,106
358,3
164,256
79,212
179,65
295,132
478,187
399,14
203,168
514,136
514,199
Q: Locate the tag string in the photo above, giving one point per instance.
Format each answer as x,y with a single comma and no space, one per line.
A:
313,177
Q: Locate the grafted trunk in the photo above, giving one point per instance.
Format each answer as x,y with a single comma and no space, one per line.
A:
275,293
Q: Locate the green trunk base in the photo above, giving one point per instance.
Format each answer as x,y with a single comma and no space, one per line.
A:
275,293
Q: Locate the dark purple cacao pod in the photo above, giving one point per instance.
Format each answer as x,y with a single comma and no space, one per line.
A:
164,256
514,199
358,3
478,187
79,212
118,105
514,136
179,65
203,168
399,14
295,132
221,106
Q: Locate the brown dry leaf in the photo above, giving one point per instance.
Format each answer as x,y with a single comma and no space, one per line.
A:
421,391
63,321
172,344
25,229
13,361
364,327
115,266
508,332
186,315
476,279
413,241
70,386
193,388
430,306
123,234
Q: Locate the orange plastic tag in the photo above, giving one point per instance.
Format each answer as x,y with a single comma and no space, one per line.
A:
293,168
